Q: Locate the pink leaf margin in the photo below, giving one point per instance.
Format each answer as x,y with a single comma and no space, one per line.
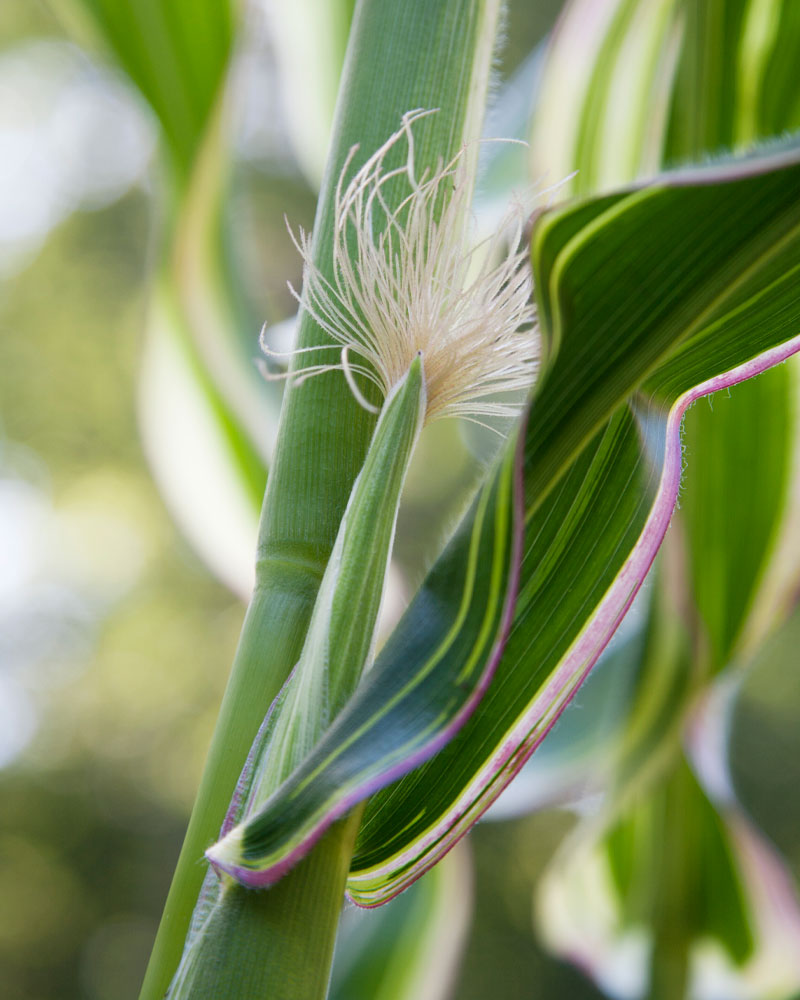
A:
376,886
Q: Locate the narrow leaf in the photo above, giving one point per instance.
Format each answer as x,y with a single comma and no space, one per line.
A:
341,634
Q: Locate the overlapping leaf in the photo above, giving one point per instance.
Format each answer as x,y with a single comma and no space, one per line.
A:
664,82
640,317
644,301
722,70
399,715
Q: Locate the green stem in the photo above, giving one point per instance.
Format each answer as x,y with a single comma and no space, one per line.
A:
272,635
242,920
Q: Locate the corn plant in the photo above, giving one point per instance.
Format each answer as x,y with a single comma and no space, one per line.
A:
580,331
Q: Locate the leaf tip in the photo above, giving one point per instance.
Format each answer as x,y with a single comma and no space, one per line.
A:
226,854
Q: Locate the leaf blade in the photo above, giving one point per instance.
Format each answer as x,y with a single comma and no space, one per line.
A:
597,553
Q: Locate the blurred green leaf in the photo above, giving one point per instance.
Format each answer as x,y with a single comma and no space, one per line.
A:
674,869
633,85
709,65
764,740
605,97
310,40
202,454
412,948
177,54
665,684
729,526
207,419
660,907
734,81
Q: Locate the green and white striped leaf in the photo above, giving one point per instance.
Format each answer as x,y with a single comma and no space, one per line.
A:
650,83
633,85
207,419
626,303
639,318
176,54
341,635
720,55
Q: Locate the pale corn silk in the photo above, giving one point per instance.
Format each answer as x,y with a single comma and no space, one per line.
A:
406,282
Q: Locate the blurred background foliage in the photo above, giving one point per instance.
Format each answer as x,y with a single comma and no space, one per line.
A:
142,245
